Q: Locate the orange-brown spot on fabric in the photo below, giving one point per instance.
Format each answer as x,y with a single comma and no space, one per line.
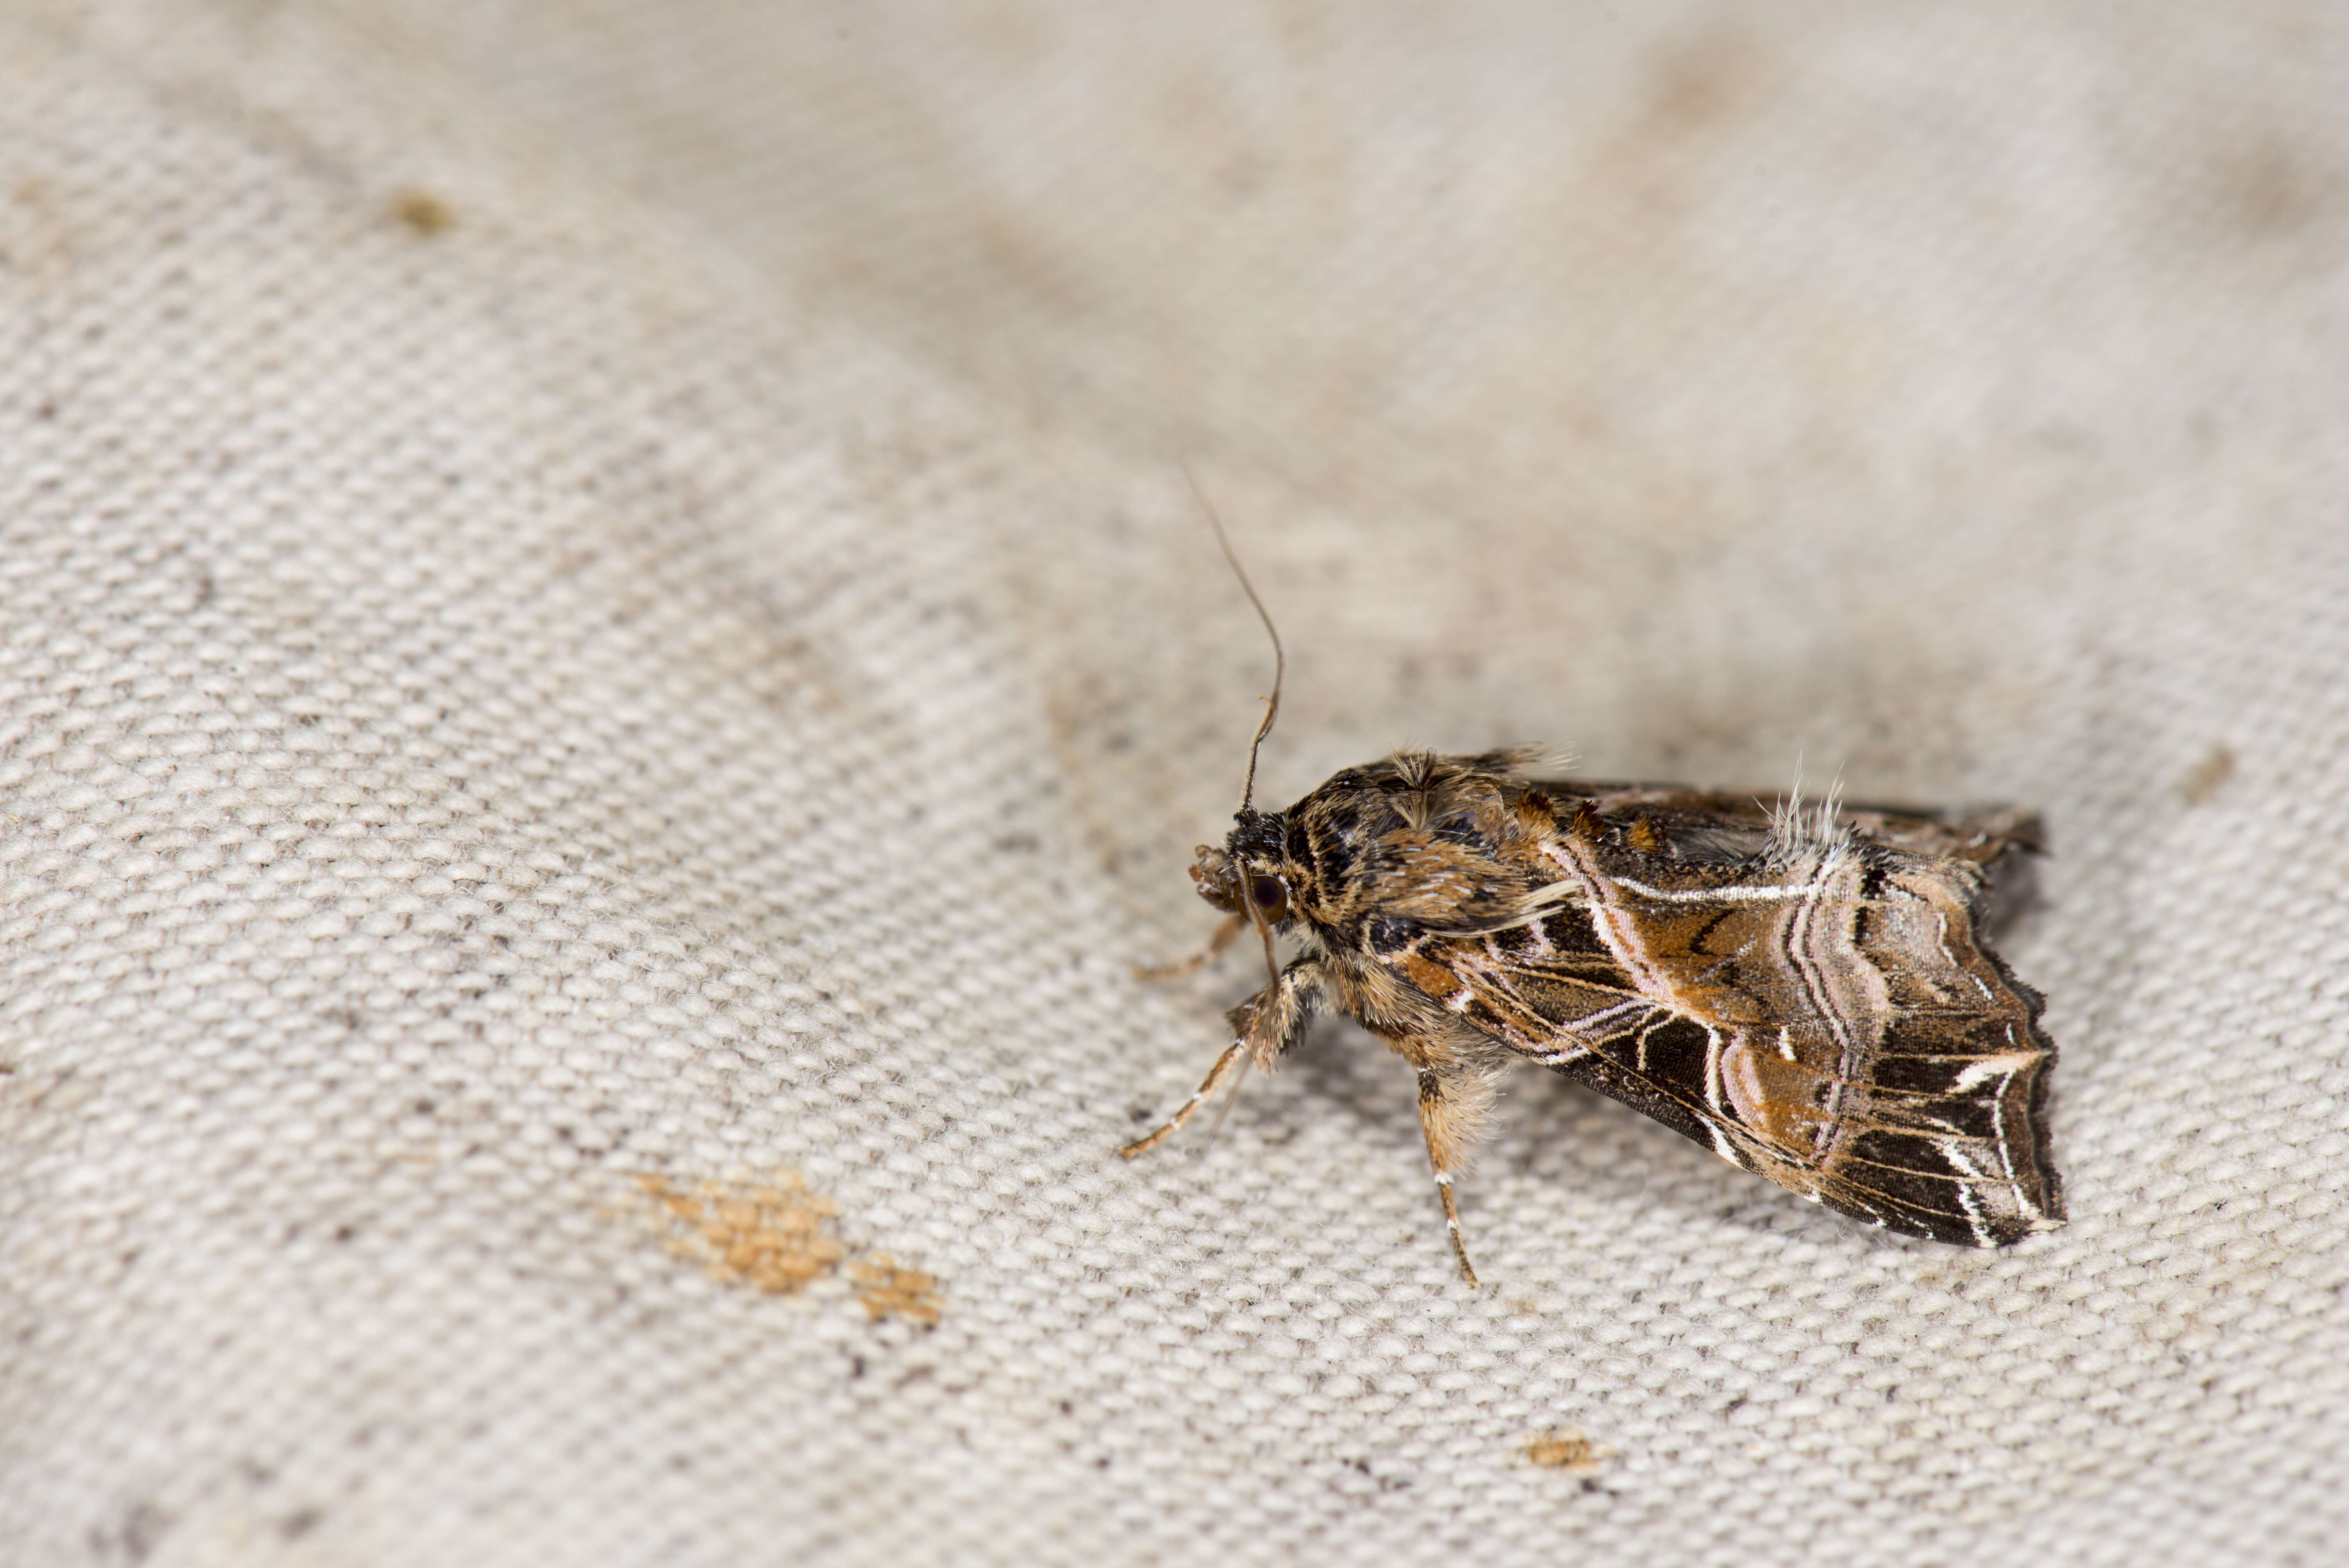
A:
1565,1450
1698,83
885,1288
771,1237
1700,90
423,211
2273,190
2205,778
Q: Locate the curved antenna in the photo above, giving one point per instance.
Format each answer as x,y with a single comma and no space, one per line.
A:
1279,658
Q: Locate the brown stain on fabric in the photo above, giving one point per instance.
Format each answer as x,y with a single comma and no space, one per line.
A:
1700,89
2271,189
1692,97
1700,83
2207,777
773,1238
774,1235
1566,1449
888,1290
423,212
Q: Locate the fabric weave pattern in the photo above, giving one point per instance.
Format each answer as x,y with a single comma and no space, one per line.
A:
605,666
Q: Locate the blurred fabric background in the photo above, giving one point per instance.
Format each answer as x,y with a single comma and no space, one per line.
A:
604,666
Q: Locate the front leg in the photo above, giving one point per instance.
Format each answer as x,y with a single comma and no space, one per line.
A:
1274,1019
1263,1027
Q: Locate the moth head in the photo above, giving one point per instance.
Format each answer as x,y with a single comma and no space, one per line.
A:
1248,876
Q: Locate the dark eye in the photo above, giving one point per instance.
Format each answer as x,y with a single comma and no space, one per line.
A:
1270,896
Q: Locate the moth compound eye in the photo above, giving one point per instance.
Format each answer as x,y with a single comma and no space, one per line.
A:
1270,896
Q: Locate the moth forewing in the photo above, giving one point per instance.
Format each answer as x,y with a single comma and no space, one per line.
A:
1862,1047
1818,1003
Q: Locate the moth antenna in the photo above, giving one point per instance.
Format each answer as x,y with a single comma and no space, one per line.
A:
1279,658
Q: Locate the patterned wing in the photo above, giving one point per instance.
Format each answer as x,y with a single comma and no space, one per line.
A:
2001,841
1817,1010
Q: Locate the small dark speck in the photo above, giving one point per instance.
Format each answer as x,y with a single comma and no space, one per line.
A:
344,1233
299,1523
856,1367
1102,1463
1018,843
422,1107
142,1526
1067,1409
1140,1113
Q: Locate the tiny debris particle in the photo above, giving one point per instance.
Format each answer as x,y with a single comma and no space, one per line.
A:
771,1238
1565,1450
423,211
2206,778
885,1288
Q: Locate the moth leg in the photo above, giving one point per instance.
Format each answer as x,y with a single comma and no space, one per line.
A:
1273,1020
1263,1027
1217,945
1223,1069
1452,1107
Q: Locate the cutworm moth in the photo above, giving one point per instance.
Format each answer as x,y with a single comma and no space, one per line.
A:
1808,993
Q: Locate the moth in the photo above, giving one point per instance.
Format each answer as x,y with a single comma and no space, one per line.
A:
1808,993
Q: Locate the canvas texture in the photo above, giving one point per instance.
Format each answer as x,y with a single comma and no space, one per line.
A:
605,667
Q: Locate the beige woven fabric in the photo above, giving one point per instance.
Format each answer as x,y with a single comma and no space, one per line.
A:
604,667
